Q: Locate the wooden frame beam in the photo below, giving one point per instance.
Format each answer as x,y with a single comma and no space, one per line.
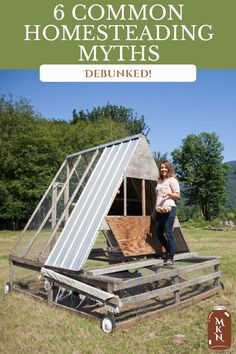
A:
143,198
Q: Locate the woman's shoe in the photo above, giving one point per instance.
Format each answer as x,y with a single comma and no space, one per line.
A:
168,263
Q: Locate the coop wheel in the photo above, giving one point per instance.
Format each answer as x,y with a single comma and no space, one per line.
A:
108,323
7,288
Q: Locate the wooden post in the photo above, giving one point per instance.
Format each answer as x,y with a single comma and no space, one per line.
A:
50,294
110,288
54,206
217,280
125,196
10,273
143,198
66,193
176,293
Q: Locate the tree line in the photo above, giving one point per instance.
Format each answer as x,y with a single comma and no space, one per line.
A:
32,148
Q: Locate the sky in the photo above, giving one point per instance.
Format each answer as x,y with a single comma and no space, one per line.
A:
171,110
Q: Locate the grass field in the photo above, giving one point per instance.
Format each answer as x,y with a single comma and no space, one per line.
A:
30,326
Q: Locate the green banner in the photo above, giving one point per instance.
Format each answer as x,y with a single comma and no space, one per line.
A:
199,32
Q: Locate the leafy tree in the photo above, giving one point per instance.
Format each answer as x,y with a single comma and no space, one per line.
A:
158,157
199,164
119,114
29,157
33,148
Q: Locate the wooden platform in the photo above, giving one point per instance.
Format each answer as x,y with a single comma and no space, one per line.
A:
145,288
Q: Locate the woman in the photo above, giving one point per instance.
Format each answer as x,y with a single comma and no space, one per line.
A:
167,191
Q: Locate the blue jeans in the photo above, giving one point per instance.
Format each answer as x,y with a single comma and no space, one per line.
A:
164,231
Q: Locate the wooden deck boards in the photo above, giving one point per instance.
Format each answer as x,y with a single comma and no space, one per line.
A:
133,265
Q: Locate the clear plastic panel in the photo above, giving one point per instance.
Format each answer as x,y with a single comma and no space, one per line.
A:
55,207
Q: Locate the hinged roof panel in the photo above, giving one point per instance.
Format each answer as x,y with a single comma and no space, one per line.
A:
79,234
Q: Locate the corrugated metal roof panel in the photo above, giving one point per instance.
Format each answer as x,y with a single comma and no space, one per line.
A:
101,147
79,233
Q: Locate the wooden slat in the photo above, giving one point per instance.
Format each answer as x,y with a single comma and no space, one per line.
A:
26,262
185,256
152,315
180,271
143,198
82,287
169,289
124,266
201,258
100,283
36,285
135,264
120,283
125,195
137,319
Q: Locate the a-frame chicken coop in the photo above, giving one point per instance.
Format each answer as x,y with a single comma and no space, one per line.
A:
92,238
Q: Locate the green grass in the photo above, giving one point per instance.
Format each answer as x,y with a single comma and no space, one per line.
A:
30,326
